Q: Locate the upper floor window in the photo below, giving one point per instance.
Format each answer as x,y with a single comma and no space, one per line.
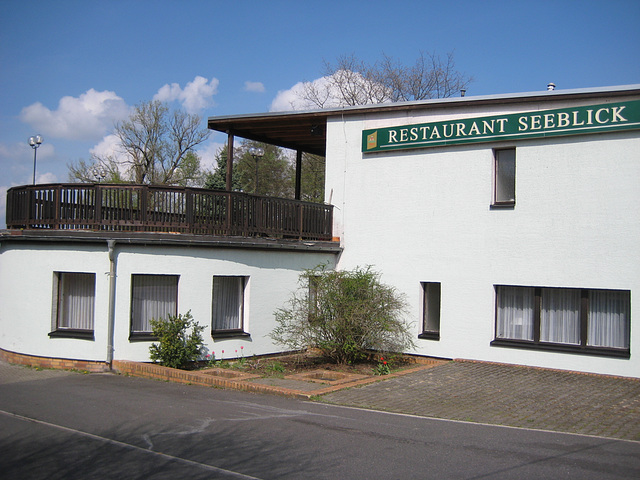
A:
504,184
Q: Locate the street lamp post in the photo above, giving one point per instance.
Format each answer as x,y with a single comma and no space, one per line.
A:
99,173
256,153
35,142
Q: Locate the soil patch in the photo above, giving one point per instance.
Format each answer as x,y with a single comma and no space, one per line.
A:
284,365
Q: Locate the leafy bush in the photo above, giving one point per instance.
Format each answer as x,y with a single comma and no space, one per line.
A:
345,314
180,341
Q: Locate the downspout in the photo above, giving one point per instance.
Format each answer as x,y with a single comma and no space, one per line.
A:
112,301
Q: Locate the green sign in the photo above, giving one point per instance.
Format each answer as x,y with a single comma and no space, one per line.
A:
564,121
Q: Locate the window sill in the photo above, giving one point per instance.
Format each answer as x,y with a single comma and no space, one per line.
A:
503,206
77,334
142,337
562,348
229,334
429,336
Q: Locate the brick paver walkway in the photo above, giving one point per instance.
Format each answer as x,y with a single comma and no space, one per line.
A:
509,395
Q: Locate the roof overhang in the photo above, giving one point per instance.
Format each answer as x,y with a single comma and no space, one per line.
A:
307,130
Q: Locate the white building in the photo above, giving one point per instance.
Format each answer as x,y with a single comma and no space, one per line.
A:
511,223
80,299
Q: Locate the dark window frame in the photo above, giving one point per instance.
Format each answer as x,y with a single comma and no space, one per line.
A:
69,332
582,348
146,336
431,304
497,182
231,332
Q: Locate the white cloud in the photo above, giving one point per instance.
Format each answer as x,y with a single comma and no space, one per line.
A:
290,99
207,155
195,97
325,92
257,87
109,146
46,177
293,98
86,117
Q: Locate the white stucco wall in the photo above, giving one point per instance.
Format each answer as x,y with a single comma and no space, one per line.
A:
26,283
424,215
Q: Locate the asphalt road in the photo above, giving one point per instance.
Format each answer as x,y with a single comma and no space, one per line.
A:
56,425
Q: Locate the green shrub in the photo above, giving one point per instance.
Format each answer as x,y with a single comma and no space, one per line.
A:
180,341
345,314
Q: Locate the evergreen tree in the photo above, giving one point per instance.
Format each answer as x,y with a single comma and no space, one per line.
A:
217,178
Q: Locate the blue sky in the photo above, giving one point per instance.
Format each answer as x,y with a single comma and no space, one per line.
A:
69,69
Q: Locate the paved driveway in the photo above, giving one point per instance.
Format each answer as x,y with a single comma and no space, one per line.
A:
509,395
62,425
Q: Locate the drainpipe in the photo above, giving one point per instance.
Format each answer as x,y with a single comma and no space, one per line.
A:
112,301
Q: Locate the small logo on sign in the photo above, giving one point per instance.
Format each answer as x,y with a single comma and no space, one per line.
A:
372,140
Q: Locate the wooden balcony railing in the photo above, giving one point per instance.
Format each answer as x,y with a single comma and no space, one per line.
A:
149,208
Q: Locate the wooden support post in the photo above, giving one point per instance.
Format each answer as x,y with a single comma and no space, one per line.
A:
298,174
230,162
229,186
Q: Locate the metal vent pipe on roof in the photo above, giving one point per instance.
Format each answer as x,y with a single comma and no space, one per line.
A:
551,86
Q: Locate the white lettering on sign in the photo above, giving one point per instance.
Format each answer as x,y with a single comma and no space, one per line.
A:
548,121
563,121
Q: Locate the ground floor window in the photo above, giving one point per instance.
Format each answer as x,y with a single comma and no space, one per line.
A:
431,293
228,306
74,305
570,319
152,296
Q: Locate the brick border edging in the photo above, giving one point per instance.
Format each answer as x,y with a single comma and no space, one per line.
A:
92,366
158,372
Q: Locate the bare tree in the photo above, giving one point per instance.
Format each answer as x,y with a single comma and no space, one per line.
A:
157,146
352,81
106,169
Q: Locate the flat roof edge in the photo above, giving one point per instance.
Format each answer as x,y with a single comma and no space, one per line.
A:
167,239
511,97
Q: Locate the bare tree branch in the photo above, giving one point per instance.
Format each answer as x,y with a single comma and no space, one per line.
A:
351,81
157,147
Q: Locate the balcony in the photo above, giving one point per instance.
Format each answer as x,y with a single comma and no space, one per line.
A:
149,208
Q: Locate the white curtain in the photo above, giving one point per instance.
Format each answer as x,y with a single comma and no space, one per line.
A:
227,303
76,299
608,319
153,296
515,313
560,315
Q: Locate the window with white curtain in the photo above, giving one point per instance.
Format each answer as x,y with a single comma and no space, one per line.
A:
74,297
608,319
152,296
593,321
228,304
560,315
515,313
